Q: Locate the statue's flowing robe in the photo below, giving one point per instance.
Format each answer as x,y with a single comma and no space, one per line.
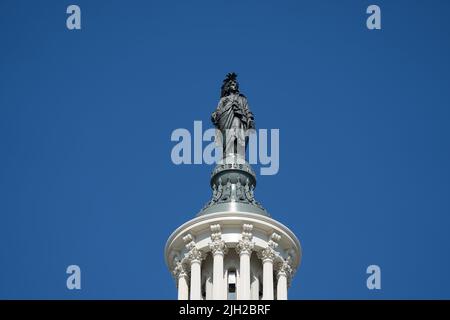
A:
233,115
225,113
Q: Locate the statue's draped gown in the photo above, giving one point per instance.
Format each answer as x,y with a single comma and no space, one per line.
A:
233,118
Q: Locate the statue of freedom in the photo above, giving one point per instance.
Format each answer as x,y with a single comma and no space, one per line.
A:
232,118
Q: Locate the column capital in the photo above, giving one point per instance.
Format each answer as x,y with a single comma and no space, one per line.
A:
267,254
180,270
284,268
195,255
218,247
244,247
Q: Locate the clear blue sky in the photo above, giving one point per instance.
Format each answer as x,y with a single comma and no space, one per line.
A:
86,116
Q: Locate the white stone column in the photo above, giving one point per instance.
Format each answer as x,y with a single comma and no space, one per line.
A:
267,261
244,249
281,285
182,281
218,275
183,288
283,275
267,256
218,249
267,280
196,257
245,275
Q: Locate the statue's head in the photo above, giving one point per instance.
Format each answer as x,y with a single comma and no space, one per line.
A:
230,85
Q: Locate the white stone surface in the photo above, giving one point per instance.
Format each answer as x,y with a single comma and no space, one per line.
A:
261,252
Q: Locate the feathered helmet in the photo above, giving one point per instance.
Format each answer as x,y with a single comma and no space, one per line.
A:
231,77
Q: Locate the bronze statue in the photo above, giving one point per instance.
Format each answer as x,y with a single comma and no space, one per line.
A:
232,118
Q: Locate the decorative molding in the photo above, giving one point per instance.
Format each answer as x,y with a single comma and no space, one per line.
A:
216,233
274,239
263,223
217,246
225,189
180,270
246,245
195,255
189,241
262,232
247,231
188,238
267,254
284,268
